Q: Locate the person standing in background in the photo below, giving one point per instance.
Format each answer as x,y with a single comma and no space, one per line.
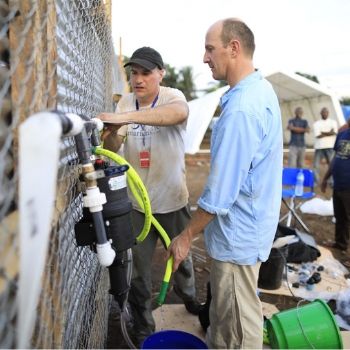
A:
325,131
339,169
298,127
240,205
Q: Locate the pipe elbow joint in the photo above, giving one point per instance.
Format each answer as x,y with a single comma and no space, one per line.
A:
94,199
76,124
105,254
98,123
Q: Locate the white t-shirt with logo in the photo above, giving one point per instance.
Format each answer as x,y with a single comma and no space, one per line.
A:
165,178
325,125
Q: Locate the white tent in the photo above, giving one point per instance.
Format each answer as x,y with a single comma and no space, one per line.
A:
292,90
201,113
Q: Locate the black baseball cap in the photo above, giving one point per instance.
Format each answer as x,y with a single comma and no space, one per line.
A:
146,57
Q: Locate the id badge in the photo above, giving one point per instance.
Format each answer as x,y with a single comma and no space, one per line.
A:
145,159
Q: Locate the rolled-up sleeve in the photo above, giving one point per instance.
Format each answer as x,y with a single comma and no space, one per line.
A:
236,137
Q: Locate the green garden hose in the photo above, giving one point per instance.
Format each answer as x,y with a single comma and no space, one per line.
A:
140,193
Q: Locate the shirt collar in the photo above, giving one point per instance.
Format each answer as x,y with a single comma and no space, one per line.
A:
252,77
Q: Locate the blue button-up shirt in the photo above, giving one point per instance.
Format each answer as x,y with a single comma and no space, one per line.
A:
245,182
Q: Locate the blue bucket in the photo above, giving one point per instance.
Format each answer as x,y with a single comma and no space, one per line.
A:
173,339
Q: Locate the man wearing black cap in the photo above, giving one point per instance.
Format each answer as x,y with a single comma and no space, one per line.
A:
153,120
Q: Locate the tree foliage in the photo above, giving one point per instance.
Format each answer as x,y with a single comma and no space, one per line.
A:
345,101
171,76
309,76
215,86
182,80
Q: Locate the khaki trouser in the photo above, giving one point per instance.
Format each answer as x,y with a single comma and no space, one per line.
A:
236,320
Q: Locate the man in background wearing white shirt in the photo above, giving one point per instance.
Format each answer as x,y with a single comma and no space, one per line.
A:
325,131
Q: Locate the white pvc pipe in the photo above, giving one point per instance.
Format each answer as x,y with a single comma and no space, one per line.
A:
39,148
94,200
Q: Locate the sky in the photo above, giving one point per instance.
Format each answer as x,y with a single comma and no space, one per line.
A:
308,36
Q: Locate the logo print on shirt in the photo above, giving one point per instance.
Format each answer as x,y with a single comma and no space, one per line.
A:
143,130
344,149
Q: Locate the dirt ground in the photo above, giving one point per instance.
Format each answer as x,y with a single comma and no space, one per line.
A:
197,168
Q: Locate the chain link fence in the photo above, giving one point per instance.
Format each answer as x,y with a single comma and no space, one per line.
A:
54,54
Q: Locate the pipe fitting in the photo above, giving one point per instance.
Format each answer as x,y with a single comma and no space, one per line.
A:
88,170
98,123
105,254
77,124
94,199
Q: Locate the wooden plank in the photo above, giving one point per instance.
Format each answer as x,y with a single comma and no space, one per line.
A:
9,249
346,339
108,10
21,39
175,316
52,56
33,60
32,38
330,284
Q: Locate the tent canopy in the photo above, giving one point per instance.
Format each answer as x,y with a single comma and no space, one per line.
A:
292,91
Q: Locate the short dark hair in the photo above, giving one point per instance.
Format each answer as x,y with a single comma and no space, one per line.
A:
233,28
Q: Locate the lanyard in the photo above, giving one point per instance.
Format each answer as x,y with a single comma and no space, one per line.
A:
143,126
152,105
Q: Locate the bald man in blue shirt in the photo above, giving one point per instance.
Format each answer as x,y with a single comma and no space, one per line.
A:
240,205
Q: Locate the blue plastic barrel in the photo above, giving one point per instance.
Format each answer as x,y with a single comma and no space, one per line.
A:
173,339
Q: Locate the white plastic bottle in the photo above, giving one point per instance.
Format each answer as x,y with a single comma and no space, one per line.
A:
299,187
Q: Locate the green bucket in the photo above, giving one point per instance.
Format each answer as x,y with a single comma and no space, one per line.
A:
310,326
